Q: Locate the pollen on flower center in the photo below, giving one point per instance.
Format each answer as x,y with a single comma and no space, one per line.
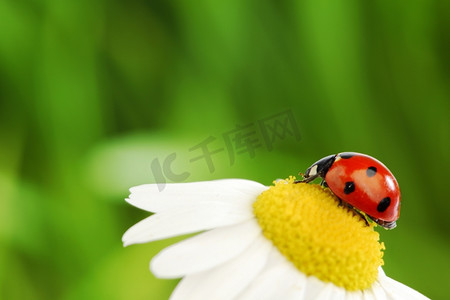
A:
321,238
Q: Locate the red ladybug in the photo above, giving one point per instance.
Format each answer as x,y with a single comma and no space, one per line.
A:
362,182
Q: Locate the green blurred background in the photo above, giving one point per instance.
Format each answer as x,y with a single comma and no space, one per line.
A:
93,92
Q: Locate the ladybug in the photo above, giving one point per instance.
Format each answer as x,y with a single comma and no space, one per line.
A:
362,182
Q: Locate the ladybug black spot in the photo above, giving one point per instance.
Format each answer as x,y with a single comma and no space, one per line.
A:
346,155
371,171
384,204
349,187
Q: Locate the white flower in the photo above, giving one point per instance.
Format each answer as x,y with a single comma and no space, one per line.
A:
257,244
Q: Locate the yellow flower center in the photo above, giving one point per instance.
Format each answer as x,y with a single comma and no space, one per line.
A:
321,238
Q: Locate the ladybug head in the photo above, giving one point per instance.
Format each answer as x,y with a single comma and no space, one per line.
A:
319,168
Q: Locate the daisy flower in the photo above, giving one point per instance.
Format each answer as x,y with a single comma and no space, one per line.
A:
286,241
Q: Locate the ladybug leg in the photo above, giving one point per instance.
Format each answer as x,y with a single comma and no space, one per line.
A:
298,181
366,218
363,216
324,184
307,179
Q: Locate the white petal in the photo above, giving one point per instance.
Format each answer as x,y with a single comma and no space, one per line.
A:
244,186
280,279
375,292
313,287
274,282
205,251
333,292
183,220
354,295
148,197
397,291
226,280
297,290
